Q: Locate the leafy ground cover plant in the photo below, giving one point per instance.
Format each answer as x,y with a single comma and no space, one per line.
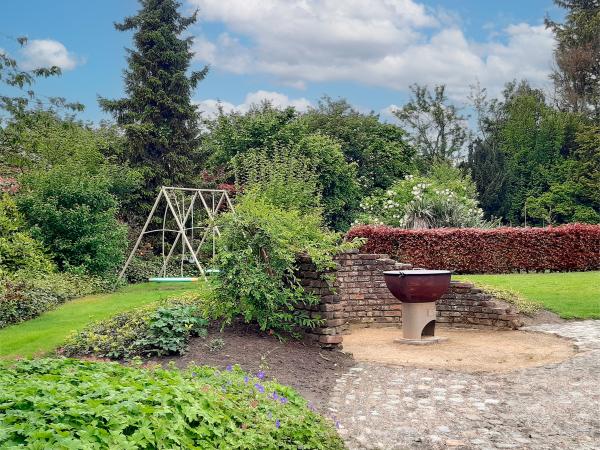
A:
157,329
64,403
24,296
524,305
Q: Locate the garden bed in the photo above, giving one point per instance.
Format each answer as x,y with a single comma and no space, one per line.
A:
40,336
62,403
305,367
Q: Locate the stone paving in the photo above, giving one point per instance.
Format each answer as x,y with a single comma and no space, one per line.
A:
555,406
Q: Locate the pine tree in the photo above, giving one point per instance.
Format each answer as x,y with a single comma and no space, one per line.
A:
487,167
158,117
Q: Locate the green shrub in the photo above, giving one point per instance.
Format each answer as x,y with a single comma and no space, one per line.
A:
157,329
18,250
62,403
170,327
24,296
257,256
270,130
73,212
443,198
287,178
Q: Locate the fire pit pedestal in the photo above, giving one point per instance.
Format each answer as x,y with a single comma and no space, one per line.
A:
418,290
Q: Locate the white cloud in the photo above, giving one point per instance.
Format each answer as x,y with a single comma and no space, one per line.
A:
388,43
387,114
45,53
210,107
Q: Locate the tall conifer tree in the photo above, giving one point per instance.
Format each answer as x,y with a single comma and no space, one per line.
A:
577,54
158,117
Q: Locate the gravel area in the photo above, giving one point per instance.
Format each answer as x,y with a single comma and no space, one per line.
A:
554,406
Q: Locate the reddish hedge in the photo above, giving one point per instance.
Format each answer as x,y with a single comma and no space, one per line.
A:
499,250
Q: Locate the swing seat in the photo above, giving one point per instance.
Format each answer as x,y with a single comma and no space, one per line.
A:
173,279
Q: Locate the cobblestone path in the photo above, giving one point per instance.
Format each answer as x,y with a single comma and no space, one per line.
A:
550,407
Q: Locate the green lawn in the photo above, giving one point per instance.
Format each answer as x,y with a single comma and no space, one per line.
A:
46,332
572,295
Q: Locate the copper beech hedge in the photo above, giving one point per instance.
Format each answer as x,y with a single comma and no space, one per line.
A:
573,247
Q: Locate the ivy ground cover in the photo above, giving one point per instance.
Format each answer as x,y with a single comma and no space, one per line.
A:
46,332
66,403
571,295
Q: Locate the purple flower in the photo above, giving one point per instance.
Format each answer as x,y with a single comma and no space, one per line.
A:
260,388
260,375
283,400
275,396
277,423
245,379
337,424
229,368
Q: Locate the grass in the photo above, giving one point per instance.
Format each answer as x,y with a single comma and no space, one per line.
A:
45,333
571,295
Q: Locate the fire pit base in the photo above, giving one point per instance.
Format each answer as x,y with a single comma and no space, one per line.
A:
424,341
418,321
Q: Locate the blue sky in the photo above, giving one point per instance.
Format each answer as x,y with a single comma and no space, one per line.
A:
294,51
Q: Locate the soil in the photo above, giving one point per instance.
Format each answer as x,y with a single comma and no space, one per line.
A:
465,350
540,317
309,369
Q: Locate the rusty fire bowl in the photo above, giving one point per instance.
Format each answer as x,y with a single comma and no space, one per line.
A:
417,285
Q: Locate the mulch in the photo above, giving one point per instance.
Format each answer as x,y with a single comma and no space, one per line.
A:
312,371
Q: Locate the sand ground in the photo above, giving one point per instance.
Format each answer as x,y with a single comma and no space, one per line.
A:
464,350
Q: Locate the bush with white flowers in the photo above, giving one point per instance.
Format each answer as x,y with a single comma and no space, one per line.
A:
443,198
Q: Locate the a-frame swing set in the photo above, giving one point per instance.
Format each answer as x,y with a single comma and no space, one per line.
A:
186,211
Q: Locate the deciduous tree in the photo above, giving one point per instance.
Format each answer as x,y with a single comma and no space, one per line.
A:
435,127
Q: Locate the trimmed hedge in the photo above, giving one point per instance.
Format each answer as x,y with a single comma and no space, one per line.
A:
565,248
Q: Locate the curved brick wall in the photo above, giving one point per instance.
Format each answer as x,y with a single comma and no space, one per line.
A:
360,296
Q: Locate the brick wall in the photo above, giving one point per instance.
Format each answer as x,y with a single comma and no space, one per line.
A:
363,293
466,306
330,308
359,296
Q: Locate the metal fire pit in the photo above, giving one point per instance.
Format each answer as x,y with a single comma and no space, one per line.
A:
418,290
